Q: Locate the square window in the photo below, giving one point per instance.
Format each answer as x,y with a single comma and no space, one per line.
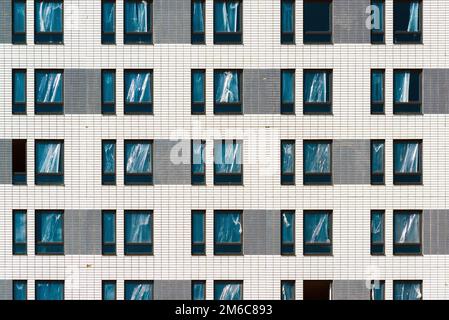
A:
138,162
317,233
228,92
407,92
49,232
228,232
49,92
228,164
227,22
407,290
138,92
138,232
317,21
48,22
198,290
377,290
317,162
407,234
228,290
49,290
138,290
407,162
137,20
19,290
109,290
407,21
287,290
317,91
49,162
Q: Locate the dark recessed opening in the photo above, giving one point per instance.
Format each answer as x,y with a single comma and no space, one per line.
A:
19,156
317,289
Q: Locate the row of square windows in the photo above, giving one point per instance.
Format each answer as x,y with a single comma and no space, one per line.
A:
228,162
228,21
228,230
228,91
223,290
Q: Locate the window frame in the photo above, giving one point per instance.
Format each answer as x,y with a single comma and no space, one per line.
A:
379,33
415,104
107,37
220,108
238,35
288,38
377,105
401,32
18,37
202,282
197,178
377,248
139,178
226,179
288,178
377,178
105,246
24,282
325,251
106,282
225,282
198,108
147,108
201,246
108,108
108,178
198,38
40,107
129,245
129,37
312,33
288,248
38,35
19,177
23,245
326,107
46,244
49,281
291,282
399,247
288,108
19,107
400,178
237,246
311,178
49,178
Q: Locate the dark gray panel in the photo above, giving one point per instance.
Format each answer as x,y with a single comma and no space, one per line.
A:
261,232
82,232
350,290
349,24
435,231
5,289
5,161
435,91
351,161
261,91
172,290
82,91
164,170
172,21
5,21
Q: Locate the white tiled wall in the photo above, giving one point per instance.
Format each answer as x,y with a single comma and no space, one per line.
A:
172,204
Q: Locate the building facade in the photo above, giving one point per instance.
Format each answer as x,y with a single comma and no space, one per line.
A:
224,149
